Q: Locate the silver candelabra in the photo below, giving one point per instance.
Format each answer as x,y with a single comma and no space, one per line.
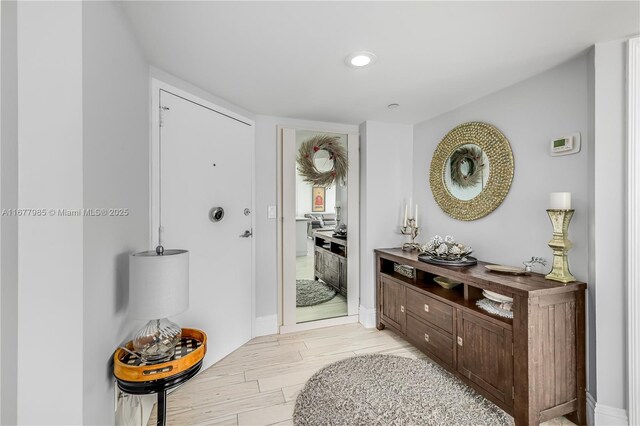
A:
414,231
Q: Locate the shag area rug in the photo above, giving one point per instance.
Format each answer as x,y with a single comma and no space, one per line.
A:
390,390
310,292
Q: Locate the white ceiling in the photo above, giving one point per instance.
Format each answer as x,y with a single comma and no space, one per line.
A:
287,58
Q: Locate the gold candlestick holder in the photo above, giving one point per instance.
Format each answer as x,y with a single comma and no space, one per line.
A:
560,245
414,231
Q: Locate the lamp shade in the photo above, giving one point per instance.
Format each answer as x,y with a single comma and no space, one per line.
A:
158,284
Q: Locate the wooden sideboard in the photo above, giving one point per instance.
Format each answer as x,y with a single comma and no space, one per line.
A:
330,263
531,366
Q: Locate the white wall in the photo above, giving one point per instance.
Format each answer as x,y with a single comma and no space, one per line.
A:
80,140
116,175
385,184
607,256
8,224
176,81
50,258
266,187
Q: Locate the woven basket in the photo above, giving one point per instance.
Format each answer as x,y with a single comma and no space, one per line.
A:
406,270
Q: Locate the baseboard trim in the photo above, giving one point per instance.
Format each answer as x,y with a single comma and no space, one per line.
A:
311,325
264,326
367,316
604,415
591,408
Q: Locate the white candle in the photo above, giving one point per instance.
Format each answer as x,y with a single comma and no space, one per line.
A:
410,203
560,201
405,216
416,222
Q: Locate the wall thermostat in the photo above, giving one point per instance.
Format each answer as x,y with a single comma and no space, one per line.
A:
565,145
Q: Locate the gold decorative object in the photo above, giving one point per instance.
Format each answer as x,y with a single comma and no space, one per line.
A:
501,165
560,245
447,283
337,154
411,229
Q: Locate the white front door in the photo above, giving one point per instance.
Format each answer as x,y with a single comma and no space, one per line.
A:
206,161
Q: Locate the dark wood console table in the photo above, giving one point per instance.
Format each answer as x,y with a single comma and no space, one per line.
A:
330,261
531,366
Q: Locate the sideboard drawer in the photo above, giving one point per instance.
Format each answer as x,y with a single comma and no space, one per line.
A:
431,310
430,339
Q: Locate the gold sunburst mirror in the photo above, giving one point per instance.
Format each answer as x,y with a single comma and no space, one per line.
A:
471,171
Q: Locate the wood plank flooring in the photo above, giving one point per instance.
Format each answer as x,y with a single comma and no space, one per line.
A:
336,307
258,383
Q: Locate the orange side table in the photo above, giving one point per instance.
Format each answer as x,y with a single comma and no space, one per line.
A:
139,378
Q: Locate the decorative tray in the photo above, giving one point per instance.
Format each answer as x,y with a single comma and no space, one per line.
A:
506,269
190,351
465,261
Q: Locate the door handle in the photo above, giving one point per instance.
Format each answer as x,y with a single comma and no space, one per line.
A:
246,234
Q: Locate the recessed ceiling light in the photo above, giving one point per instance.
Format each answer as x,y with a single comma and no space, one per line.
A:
392,106
360,59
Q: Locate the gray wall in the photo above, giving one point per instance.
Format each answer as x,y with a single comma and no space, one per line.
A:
607,257
530,113
116,175
8,224
385,186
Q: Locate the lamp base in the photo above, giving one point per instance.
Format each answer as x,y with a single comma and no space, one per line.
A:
157,340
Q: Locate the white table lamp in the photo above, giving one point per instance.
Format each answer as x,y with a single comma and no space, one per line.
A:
158,288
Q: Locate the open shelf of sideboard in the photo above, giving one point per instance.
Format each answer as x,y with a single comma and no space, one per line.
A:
463,296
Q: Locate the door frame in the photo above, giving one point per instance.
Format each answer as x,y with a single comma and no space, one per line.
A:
156,86
633,228
283,253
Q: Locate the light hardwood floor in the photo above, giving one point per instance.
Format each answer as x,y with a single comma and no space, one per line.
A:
336,307
258,383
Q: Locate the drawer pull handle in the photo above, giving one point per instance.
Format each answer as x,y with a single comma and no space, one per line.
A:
426,337
401,308
459,341
426,307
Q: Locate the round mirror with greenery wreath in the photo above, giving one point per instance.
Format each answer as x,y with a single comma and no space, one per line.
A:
471,171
